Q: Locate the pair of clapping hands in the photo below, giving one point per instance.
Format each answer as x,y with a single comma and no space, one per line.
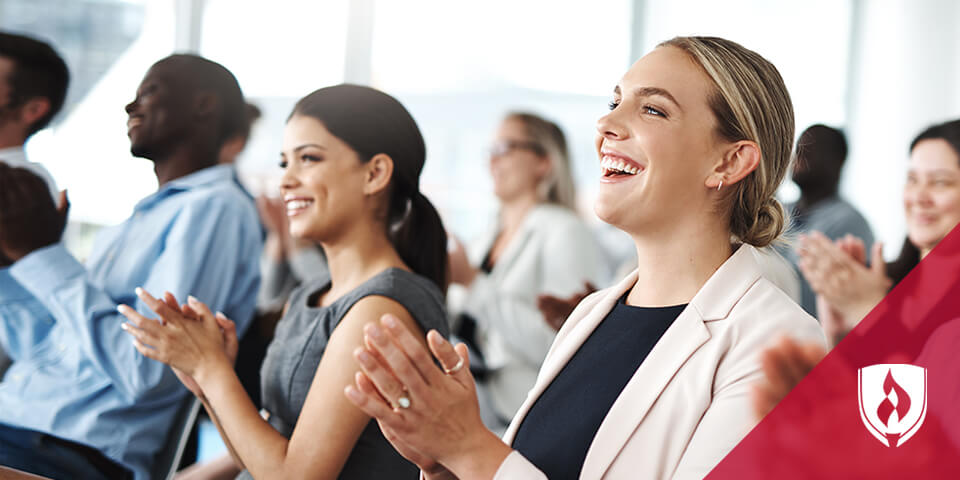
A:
847,289
189,337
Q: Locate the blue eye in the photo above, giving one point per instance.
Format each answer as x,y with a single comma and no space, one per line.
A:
654,111
283,164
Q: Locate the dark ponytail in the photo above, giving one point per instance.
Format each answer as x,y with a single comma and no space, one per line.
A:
418,235
372,122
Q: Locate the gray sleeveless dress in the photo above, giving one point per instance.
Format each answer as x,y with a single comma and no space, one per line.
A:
299,342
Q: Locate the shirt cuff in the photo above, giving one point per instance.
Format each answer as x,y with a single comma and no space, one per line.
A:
515,466
46,270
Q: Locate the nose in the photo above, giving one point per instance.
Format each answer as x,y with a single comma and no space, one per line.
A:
289,179
917,194
130,107
610,126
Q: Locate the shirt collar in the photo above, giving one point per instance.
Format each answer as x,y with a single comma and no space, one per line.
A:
15,156
206,176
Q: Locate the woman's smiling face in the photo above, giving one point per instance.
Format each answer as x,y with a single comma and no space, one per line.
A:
323,179
658,144
931,197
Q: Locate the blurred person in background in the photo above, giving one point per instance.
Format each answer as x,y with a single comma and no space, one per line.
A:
33,86
821,152
352,158
537,245
847,288
649,378
82,402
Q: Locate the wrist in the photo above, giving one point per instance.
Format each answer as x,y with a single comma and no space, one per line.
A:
210,370
479,456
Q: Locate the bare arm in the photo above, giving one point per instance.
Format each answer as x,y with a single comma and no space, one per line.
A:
266,453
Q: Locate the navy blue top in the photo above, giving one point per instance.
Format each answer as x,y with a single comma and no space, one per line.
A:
560,427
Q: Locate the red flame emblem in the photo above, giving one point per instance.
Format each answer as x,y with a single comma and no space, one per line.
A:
886,408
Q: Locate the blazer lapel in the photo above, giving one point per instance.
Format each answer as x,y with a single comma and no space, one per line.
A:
685,336
515,246
679,342
567,343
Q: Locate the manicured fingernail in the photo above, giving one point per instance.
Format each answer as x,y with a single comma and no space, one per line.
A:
352,393
138,291
374,333
436,337
221,315
191,299
363,356
122,308
123,326
390,322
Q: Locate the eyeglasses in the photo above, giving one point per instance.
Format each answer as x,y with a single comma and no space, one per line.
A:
504,147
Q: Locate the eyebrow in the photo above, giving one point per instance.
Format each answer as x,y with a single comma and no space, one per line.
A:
934,172
649,92
308,145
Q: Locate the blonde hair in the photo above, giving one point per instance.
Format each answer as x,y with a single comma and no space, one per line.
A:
750,102
557,188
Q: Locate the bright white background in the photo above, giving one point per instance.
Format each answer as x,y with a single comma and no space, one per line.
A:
882,69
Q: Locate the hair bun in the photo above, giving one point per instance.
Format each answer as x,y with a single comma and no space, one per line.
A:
769,223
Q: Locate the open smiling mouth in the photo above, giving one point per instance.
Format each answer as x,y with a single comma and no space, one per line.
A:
614,168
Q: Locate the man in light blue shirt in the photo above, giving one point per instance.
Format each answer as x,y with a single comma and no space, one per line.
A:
79,401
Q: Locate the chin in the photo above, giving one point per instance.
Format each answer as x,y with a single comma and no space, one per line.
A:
607,213
141,151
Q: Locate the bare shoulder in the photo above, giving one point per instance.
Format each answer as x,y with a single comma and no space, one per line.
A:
371,308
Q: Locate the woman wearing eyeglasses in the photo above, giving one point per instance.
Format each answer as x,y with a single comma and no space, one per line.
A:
538,245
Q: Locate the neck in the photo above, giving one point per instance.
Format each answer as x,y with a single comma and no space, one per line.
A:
673,265
10,139
183,161
924,252
356,255
513,212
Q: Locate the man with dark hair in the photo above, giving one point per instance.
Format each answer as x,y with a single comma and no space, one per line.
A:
33,86
820,155
81,402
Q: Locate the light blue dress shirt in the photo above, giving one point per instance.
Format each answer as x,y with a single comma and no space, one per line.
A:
76,374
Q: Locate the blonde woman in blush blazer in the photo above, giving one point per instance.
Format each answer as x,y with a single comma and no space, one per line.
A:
650,378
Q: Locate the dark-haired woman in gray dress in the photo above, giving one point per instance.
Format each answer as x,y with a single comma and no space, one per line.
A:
352,157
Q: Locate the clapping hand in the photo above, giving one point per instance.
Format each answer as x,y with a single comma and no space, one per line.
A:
187,337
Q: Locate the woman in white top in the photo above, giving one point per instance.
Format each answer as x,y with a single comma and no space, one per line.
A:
537,246
697,141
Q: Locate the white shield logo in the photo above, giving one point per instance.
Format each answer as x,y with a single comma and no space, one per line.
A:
893,401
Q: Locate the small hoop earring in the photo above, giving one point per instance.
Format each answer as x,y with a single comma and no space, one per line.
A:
720,186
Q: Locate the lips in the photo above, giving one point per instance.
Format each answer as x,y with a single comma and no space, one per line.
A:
133,122
296,205
615,164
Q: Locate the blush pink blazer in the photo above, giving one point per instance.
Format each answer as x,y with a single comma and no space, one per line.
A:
688,404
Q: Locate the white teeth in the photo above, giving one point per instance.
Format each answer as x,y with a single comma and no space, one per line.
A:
608,164
298,204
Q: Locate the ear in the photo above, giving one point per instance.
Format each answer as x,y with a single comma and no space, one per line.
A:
205,104
379,172
544,166
738,160
34,109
